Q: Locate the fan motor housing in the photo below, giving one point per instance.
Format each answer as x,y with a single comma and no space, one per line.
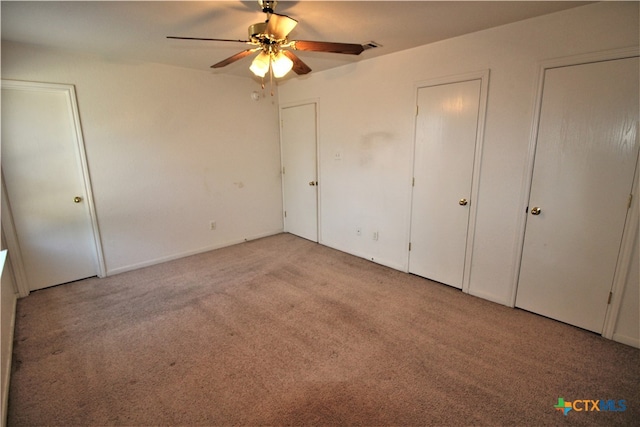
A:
256,30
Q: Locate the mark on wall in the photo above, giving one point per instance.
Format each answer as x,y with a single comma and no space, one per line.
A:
374,146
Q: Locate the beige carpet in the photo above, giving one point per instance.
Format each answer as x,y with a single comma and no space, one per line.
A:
282,331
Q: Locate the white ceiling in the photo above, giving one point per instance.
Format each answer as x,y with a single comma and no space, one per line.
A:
136,31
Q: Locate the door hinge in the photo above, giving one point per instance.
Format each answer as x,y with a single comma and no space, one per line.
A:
409,246
283,170
630,199
417,109
285,214
413,181
610,296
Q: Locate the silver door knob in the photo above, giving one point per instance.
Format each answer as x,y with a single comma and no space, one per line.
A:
535,211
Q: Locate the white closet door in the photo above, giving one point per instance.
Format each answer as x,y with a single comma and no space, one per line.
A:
446,133
586,154
299,165
43,175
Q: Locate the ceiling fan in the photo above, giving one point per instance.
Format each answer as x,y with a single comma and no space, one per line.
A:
270,39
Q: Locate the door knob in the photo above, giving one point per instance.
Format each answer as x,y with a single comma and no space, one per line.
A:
77,199
312,183
535,211
463,202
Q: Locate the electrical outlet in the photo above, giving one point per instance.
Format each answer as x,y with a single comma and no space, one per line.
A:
375,235
212,225
358,231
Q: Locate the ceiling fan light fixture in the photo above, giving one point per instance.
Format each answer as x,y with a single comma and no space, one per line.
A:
271,39
281,65
260,64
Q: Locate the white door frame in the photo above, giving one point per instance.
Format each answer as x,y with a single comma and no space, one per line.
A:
623,265
624,257
13,247
483,76
7,222
316,102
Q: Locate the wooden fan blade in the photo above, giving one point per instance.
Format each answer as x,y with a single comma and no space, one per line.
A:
234,58
206,39
299,67
347,48
279,26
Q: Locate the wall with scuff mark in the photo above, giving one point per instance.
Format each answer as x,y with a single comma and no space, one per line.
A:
367,112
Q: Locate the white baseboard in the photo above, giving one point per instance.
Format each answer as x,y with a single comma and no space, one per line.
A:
131,267
367,256
632,341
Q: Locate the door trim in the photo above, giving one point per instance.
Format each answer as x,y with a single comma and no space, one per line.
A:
623,266
10,233
10,237
316,102
483,76
624,256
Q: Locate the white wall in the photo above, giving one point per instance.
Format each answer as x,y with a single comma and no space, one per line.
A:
168,149
367,113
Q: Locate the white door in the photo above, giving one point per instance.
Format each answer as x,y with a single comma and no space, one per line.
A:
45,185
299,168
586,154
446,133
